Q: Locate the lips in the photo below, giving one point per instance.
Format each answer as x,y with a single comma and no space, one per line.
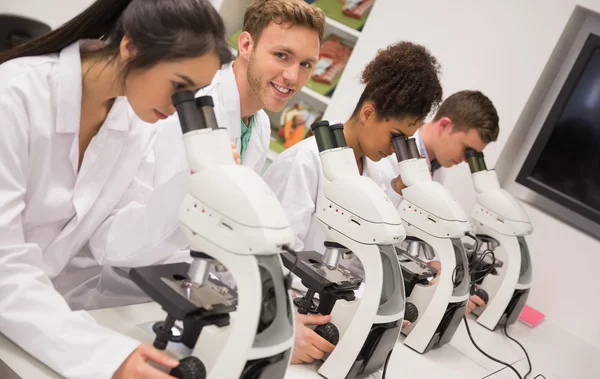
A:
282,91
159,115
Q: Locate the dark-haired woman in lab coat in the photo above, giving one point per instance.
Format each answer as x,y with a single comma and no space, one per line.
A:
83,171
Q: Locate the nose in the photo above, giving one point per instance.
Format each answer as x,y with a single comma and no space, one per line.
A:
290,75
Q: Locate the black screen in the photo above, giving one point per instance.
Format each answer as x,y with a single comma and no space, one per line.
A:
564,162
570,161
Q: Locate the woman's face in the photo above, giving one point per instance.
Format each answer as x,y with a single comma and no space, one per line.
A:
376,137
149,91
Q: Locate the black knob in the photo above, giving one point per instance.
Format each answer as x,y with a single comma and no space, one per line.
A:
411,312
329,332
189,368
164,332
305,306
483,295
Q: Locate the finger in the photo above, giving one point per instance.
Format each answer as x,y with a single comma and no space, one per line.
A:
437,265
315,353
470,307
150,353
321,343
315,319
398,185
405,323
477,300
305,358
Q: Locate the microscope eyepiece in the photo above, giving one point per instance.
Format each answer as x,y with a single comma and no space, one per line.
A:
400,144
194,113
475,160
337,134
322,135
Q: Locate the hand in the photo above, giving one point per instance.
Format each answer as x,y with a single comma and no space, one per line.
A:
136,367
405,324
398,185
474,302
438,266
308,345
236,154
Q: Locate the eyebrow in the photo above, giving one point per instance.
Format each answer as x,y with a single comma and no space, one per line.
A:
290,52
187,79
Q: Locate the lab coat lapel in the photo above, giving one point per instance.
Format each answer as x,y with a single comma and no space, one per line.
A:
255,150
230,103
100,159
94,176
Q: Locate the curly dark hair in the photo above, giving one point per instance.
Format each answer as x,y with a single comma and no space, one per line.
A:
471,110
402,81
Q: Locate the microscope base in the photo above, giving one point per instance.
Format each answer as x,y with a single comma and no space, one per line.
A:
510,314
443,332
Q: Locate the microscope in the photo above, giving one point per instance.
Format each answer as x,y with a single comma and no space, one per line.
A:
234,222
359,221
435,224
501,225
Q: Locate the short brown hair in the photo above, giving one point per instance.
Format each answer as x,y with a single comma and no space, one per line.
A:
471,110
260,13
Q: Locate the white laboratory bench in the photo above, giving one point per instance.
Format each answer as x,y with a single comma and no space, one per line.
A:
554,353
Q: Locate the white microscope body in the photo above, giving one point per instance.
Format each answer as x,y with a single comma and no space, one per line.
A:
435,221
500,221
358,217
232,220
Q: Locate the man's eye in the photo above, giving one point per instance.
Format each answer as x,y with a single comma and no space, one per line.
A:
281,55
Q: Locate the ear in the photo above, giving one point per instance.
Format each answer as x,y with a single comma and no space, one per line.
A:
127,48
245,45
367,112
444,124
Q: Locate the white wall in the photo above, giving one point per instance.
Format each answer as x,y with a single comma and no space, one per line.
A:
500,48
51,12
56,12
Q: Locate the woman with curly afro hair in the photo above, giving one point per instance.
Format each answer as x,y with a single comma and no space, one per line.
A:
402,87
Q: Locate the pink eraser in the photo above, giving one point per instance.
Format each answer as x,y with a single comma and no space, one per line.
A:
531,317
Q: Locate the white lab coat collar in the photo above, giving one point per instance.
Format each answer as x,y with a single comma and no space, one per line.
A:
226,97
232,107
440,174
68,115
421,146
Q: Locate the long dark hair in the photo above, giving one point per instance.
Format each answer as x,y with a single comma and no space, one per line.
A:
160,30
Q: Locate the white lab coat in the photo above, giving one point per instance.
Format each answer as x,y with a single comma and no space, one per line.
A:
226,97
296,178
65,228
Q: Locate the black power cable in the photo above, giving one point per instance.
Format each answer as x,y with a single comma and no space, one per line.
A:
486,354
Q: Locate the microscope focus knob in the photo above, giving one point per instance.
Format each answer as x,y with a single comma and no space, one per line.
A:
483,295
329,332
189,368
411,312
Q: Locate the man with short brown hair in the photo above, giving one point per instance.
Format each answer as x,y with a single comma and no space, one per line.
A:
277,51
465,120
